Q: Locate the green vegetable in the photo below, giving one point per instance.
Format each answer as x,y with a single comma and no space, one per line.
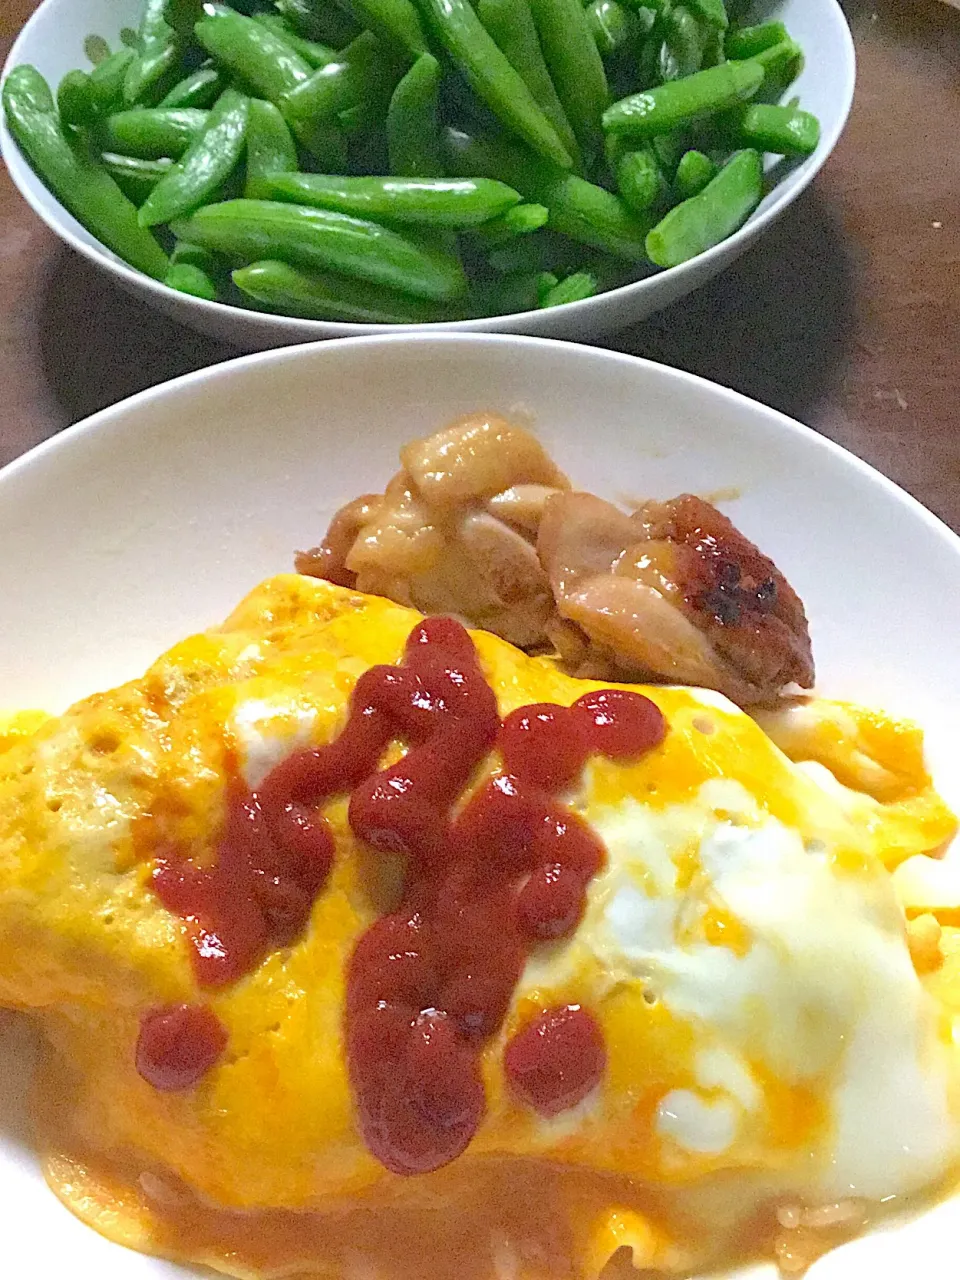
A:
413,129
521,220
312,106
96,48
694,171
577,208
747,42
78,181
681,102
107,80
270,147
781,64
158,51
253,229
207,163
786,131
504,296
640,180
311,51
706,219
75,101
511,24
574,288
152,132
199,89
186,278
319,20
493,77
437,202
612,26
278,287
684,41
195,256
712,12
546,281
262,59
394,21
575,65
135,178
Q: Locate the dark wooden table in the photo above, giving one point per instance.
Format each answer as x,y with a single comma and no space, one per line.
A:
846,316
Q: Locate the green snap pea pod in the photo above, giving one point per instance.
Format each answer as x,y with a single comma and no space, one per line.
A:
187,278
151,133
747,42
669,149
575,65
694,171
278,287
413,128
703,221
713,50
577,208
781,64
261,58
648,62
521,220
546,281
311,51
493,77
511,24
254,229
439,202
312,106
74,100
640,180
684,42
107,80
135,178
199,89
95,48
319,20
194,255
574,288
712,12
270,147
612,25
158,52
394,21
505,296
206,164
681,102
785,131
78,181
543,251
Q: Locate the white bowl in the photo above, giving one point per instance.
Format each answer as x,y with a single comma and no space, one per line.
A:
154,517
53,42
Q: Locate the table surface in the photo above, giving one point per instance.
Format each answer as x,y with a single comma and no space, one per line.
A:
845,316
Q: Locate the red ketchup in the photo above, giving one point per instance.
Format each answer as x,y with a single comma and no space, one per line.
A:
428,985
178,1044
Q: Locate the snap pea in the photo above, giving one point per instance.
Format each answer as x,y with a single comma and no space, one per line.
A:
183,15
135,178
640,180
511,24
394,21
577,208
80,183
157,54
504,296
311,51
187,278
493,76
413,129
546,281
612,25
199,89
681,102
785,130
781,64
319,20
439,202
694,171
747,42
278,287
311,106
261,58
74,100
152,133
270,146
106,81
574,288
712,12
521,220
206,164
194,255
703,221
541,251
576,67
254,229
684,41
648,62
713,50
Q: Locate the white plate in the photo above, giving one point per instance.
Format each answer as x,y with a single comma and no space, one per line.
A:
53,42
154,517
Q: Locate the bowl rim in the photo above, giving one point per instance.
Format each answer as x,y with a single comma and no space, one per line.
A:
293,327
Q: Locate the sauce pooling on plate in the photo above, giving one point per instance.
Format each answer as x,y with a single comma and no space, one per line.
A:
430,983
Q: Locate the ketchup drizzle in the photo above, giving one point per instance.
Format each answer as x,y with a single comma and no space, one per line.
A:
428,984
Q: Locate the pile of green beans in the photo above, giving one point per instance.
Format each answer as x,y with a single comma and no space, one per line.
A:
415,161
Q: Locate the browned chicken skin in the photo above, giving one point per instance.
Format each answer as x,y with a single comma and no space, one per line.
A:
480,523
